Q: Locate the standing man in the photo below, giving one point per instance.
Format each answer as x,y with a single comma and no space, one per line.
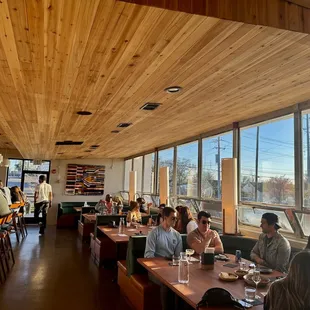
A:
42,201
272,249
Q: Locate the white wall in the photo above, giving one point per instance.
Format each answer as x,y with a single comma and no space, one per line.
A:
114,180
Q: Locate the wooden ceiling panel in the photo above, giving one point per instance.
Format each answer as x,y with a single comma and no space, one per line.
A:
58,57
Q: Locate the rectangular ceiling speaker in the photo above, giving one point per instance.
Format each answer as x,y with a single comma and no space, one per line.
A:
229,196
164,185
132,185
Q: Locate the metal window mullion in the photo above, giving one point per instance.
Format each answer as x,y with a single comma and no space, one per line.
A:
156,164
199,181
236,154
298,152
174,178
142,178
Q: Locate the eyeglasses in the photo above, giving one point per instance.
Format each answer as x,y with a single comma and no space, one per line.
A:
206,222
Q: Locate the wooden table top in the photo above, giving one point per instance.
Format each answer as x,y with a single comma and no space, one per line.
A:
90,217
112,233
77,209
199,280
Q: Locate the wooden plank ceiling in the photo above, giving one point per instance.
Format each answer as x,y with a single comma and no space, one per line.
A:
291,15
58,57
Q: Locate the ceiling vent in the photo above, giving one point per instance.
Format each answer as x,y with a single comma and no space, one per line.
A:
95,146
84,113
124,125
115,131
69,142
150,106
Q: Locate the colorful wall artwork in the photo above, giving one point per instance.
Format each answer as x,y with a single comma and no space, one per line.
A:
87,180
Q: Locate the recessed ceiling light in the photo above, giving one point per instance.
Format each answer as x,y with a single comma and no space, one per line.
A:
84,113
150,106
69,142
123,125
173,89
115,131
95,146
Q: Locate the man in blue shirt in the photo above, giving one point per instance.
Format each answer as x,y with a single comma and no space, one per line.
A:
164,241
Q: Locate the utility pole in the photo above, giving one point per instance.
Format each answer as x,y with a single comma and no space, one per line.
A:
256,163
218,167
308,151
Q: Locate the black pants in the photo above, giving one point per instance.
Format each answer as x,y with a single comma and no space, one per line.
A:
38,208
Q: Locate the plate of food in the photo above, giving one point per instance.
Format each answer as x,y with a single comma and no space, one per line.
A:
263,282
228,276
241,273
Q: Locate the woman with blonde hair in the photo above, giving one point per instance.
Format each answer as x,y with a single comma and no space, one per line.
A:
186,222
292,292
134,214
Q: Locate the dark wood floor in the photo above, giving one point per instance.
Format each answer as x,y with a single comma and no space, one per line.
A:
55,272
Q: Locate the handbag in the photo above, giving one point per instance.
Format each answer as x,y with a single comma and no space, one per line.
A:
218,297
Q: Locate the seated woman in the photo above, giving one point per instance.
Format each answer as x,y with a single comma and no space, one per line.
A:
186,222
17,196
108,203
159,218
118,203
292,292
134,214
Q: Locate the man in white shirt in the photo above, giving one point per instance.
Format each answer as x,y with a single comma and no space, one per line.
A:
42,201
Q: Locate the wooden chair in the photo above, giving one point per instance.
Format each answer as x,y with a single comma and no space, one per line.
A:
18,220
6,251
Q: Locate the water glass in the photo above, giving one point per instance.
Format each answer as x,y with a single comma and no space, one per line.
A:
128,224
175,260
249,293
242,266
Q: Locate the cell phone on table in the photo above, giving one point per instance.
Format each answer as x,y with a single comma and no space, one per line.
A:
245,304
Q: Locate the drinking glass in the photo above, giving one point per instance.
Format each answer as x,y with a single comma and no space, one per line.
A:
249,293
189,253
256,279
242,266
175,260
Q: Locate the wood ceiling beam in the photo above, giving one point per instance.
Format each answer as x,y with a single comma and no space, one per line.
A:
291,15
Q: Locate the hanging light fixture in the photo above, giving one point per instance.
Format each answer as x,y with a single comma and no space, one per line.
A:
1,158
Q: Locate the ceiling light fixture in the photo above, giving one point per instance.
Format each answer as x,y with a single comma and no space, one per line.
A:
123,125
150,106
95,146
173,89
84,113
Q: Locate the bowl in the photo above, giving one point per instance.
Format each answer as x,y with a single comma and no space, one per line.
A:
248,280
228,276
241,273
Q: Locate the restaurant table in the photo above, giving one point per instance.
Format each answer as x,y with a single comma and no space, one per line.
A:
113,234
199,280
77,209
90,218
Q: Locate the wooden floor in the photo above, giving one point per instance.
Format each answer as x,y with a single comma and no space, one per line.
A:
55,272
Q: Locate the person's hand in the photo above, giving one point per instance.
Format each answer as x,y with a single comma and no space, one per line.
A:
259,261
149,204
50,205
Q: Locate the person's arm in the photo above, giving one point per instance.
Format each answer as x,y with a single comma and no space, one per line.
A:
36,193
218,245
179,246
150,245
197,245
192,225
283,256
255,255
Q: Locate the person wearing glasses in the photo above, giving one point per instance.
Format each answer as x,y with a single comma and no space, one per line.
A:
164,241
203,237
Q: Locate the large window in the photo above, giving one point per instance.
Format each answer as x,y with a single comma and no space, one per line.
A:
15,173
267,162
214,149
165,159
137,166
149,173
187,169
128,168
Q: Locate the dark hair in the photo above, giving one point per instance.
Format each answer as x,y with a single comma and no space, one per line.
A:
133,205
272,219
42,178
162,205
141,200
203,213
108,197
167,211
185,217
